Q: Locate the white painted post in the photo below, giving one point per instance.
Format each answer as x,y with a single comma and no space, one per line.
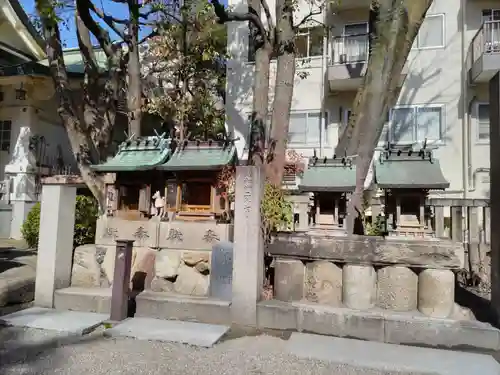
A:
248,255
55,244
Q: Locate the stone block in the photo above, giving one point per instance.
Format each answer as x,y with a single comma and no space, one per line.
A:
87,271
144,233
316,245
324,283
193,235
289,279
18,287
358,286
167,263
275,314
190,282
397,288
436,293
96,300
172,306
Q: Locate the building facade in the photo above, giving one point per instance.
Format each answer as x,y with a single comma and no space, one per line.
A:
444,96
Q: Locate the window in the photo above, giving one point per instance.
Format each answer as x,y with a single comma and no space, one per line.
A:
5,130
353,45
309,42
304,128
491,33
431,33
490,15
415,124
483,122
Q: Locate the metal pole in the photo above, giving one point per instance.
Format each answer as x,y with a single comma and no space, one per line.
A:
121,280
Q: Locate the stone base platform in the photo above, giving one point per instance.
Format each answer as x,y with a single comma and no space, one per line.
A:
377,325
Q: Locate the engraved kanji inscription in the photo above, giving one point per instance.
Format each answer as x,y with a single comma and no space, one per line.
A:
175,235
210,236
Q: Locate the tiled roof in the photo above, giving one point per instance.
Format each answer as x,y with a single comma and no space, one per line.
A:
409,172
203,156
330,175
142,154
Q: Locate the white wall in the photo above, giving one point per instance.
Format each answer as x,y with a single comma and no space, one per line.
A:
434,77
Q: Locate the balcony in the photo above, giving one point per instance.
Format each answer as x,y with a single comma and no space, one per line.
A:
348,62
484,54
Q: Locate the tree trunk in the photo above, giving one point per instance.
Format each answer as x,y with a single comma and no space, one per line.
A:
395,31
134,99
80,141
258,131
283,92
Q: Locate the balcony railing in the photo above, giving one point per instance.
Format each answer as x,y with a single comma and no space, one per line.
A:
350,49
487,40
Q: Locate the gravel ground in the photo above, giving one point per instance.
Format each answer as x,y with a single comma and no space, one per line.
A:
28,351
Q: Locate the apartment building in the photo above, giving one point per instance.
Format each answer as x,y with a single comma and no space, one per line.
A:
444,96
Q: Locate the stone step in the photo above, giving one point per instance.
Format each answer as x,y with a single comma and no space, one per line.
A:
70,322
198,334
159,305
97,300
162,305
377,325
388,357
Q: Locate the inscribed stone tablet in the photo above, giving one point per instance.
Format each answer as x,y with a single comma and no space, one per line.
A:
221,272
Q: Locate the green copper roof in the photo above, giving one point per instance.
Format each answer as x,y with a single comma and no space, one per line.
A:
74,61
410,172
331,175
137,155
200,157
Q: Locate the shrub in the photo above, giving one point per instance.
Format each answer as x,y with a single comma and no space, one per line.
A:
31,226
85,222
277,212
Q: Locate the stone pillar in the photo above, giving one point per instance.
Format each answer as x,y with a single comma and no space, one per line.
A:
289,279
436,292
248,257
487,225
55,245
303,216
358,286
494,187
336,211
456,224
398,210
439,221
422,211
473,238
318,211
397,288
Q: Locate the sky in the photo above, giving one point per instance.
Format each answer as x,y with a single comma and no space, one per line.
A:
68,31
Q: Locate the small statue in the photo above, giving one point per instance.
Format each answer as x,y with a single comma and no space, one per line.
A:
159,205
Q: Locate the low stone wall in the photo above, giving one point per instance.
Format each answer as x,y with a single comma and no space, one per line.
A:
364,273
167,256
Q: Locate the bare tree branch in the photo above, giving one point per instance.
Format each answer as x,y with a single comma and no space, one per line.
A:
311,14
227,16
267,12
109,20
83,7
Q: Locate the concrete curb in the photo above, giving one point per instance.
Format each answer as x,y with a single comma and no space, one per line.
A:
381,326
